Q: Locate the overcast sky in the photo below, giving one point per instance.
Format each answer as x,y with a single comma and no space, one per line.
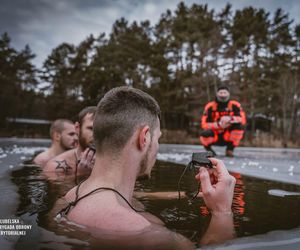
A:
44,24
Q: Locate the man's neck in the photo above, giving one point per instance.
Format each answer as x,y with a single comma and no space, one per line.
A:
55,150
117,173
80,149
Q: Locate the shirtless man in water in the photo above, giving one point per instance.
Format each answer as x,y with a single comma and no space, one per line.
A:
80,159
63,136
126,133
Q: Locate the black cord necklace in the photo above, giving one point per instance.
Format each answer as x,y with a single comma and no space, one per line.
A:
71,204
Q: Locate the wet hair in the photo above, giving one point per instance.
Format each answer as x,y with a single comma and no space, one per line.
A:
84,112
58,126
119,113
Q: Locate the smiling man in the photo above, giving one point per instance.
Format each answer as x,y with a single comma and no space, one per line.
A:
126,134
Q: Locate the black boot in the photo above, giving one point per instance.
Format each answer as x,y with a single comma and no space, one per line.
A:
229,153
208,148
229,150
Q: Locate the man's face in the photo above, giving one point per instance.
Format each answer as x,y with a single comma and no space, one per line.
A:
86,131
68,136
150,157
223,95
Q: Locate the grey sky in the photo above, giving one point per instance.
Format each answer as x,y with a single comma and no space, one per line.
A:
44,24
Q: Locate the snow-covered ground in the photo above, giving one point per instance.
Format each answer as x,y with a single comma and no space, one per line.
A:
267,163
278,164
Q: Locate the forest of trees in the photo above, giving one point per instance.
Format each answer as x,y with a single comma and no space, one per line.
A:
180,60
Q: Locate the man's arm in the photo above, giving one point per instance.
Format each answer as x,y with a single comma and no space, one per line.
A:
167,195
59,166
207,119
239,114
220,229
218,198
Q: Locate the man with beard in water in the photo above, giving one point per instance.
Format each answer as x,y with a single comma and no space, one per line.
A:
80,159
126,132
223,122
63,137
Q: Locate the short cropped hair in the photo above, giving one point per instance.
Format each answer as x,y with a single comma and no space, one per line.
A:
223,86
84,112
58,126
119,113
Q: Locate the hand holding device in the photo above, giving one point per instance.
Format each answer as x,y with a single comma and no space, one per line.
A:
217,187
225,122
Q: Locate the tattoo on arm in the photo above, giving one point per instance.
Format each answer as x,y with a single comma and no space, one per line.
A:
63,165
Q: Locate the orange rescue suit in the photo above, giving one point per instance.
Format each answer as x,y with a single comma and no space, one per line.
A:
210,120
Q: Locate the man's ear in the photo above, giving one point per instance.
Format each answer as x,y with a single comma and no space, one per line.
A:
77,127
144,137
56,136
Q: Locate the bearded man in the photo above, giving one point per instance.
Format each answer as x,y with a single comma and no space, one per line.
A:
80,159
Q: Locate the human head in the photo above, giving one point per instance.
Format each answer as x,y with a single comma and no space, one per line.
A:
121,112
62,132
84,126
223,93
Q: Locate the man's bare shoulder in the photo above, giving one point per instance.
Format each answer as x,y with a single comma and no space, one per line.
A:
108,217
128,227
42,158
70,195
64,161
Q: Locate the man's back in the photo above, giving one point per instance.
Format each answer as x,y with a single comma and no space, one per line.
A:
104,204
117,227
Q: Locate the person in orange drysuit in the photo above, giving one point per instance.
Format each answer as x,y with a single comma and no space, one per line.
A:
223,122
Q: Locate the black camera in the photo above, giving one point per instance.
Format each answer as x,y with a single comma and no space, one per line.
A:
201,159
198,160
92,147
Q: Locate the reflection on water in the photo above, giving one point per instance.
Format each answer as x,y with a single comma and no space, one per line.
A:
255,211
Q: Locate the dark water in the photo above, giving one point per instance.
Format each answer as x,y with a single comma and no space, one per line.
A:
255,211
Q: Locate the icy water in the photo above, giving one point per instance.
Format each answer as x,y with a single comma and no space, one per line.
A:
271,220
